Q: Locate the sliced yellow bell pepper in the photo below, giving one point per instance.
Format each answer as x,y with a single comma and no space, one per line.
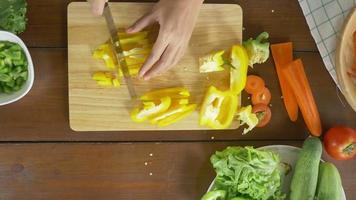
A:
174,93
212,63
218,108
106,79
238,73
126,38
246,116
174,114
150,109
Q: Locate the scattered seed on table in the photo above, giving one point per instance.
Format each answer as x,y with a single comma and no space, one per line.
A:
151,154
212,137
151,173
272,11
146,163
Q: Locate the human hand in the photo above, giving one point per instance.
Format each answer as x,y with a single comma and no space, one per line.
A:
176,19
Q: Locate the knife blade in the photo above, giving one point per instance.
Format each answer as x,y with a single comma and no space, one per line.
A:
119,55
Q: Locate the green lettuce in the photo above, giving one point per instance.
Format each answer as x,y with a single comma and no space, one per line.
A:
248,173
13,15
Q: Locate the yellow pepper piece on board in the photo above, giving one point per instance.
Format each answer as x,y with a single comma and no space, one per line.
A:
246,116
106,79
150,109
126,38
238,73
174,114
174,93
218,109
212,63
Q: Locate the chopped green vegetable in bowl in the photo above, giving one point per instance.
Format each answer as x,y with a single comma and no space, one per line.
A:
246,173
13,67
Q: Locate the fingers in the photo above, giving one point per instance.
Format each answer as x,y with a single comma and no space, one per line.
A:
166,61
140,24
157,50
97,6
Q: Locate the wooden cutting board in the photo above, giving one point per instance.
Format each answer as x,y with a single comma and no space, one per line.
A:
92,108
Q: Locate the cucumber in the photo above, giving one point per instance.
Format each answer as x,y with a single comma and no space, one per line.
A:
329,183
305,175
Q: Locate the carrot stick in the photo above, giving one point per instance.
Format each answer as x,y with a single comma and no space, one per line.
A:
282,55
297,79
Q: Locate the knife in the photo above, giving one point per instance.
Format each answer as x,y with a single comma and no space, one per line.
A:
118,50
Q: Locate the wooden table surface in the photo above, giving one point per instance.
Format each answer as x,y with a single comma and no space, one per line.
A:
42,158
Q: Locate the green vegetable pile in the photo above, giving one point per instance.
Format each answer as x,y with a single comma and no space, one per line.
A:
13,67
246,173
257,49
13,15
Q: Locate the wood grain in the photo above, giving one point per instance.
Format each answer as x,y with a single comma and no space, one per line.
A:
43,114
94,108
118,171
345,59
286,22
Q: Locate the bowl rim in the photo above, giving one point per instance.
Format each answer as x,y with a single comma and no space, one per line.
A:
30,68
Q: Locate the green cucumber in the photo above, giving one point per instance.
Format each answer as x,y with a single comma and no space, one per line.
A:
329,183
305,177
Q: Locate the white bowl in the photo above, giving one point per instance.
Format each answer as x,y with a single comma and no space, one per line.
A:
9,98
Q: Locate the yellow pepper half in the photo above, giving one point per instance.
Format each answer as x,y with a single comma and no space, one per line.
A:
246,116
238,73
150,109
212,63
218,108
174,93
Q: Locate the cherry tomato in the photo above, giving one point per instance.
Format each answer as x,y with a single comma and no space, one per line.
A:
340,142
263,97
254,84
263,113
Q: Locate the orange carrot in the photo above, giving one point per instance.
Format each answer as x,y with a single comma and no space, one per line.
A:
297,79
282,55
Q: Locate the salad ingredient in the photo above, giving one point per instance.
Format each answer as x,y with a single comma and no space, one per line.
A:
106,79
212,62
261,97
174,114
218,108
214,195
245,115
263,114
257,49
238,72
13,67
329,183
254,84
248,172
13,15
340,142
305,177
283,55
297,79
150,109
174,93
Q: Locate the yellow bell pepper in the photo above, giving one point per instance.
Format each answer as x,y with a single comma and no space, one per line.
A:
174,93
212,63
150,109
105,79
218,108
246,116
238,73
174,114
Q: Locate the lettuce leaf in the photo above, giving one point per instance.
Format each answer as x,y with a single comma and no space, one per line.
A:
248,173
13,15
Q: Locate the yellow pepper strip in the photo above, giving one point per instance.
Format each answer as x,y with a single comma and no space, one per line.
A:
238,73
126,38
212,63
105,79
104,52
174,114
246,116
150,109
174,93
218,108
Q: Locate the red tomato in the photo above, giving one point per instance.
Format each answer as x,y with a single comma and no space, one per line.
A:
254,84
340,142
263,97
263,113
